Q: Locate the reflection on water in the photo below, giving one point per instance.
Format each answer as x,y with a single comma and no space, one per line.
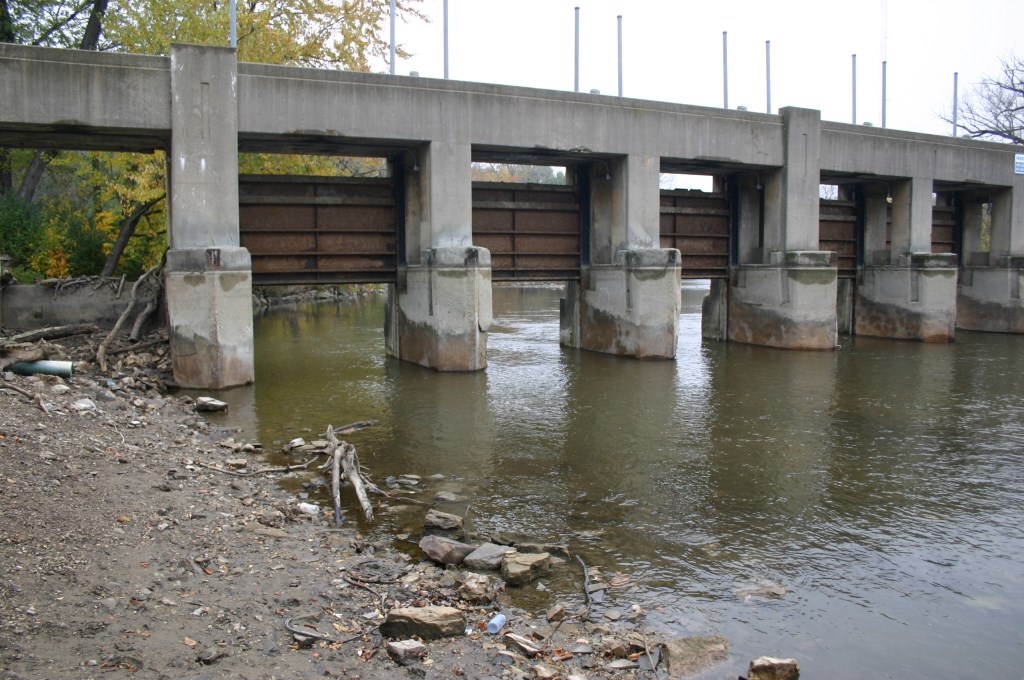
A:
880,484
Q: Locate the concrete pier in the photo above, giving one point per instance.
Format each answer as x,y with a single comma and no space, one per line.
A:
905,292
440,310
628,299
208,275
788,299
990,282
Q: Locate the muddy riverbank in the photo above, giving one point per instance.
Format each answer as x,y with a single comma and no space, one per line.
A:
123,552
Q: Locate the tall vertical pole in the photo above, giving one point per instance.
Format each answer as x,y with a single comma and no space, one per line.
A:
768,72
956,102
392,37
233,38
620,54
855,89
446,39
884,64
576,79
725,69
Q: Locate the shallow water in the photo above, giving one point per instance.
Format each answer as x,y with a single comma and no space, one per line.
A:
879,485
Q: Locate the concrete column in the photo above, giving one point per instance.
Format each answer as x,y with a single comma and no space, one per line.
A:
208,276
876,224
439,312
629,298
970,235
792,193
990,291
911,295
789,301
1007,218
750,247
911,217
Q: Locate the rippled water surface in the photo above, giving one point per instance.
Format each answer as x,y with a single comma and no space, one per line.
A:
880,485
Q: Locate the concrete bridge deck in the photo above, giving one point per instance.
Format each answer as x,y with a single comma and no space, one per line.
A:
202,108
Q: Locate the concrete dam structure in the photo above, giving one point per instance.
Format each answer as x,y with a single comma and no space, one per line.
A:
926,234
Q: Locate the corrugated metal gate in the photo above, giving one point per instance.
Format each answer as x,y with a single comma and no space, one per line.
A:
698,224
308,230
838,231
532,230
944,220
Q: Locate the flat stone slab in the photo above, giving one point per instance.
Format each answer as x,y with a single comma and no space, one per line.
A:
443,521
487,557
426,623
691,655
445,550
518,569
770,668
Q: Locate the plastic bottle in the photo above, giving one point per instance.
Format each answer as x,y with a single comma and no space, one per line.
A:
495,624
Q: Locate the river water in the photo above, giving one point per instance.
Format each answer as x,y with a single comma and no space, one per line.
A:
878,487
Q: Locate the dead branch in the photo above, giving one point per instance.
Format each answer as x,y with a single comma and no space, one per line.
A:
137,347
141,319
253,473
36,398
354,427
335,480
101,353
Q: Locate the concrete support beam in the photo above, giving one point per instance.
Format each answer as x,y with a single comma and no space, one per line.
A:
440,311
208,276
911,217
791,193
629,299
876,224
751,246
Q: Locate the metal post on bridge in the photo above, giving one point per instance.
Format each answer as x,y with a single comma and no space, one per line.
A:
725,69
576,80
619,18
392,37
854,89
446,39
768,72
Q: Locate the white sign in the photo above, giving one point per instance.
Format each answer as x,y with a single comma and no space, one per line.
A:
1018,164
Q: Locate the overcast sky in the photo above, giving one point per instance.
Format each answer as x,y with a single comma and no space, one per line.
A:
672,50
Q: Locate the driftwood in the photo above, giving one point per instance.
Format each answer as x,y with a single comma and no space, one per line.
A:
54,332
253,473
346,463
101,353
138,346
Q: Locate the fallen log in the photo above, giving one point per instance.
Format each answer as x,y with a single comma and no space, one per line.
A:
55,332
